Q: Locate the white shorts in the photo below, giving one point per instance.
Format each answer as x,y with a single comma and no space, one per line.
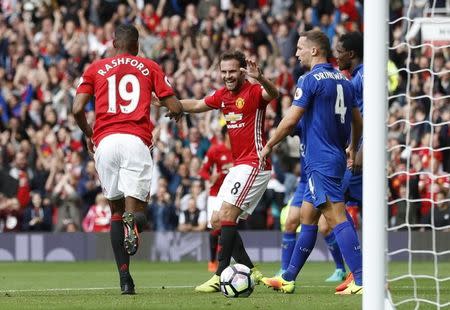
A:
124,165
214,204
243,187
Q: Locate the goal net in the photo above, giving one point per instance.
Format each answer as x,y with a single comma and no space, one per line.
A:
417,144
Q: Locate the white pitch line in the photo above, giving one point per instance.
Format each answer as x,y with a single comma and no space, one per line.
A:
92,289
142,287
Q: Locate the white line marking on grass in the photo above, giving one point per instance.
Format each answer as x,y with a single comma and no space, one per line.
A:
92,288
68,289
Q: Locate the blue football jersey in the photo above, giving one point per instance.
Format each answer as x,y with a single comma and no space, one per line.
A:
357,81
327,96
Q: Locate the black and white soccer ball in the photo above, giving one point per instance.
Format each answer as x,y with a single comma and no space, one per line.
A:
235,281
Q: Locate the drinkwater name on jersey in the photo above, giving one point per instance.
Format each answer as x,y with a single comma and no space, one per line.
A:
124,61
329,75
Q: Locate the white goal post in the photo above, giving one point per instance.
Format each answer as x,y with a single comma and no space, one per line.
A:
425,32
374,135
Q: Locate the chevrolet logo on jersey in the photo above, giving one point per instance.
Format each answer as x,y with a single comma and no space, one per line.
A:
232,117
240,103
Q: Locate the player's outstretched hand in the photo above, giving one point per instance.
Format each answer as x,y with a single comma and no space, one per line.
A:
252,69
266,152
175,116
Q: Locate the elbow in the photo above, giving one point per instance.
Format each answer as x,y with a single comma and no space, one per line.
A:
360,126
77,109
290,126
276,93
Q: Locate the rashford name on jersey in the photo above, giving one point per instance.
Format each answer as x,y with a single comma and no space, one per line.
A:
123,61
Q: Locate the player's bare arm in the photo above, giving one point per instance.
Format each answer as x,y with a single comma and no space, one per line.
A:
194,105
270,91
174,105
80,102
357,126
357,165
285,127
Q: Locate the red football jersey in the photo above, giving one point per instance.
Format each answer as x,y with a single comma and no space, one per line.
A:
244,113
122,87
218,157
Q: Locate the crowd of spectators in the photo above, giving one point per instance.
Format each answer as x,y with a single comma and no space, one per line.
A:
418,140
48,181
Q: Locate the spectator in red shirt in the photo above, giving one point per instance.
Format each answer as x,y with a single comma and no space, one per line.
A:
23,174
432,183
98,218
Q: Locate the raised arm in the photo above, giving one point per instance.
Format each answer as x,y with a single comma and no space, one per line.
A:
270,91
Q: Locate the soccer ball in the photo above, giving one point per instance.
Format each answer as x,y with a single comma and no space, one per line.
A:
235,281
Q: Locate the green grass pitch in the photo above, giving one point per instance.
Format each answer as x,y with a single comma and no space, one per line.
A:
94,285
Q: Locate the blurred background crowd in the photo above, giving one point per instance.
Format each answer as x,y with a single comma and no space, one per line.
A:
48,181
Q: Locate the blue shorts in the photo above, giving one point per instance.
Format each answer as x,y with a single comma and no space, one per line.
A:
352,188
321,187
297,199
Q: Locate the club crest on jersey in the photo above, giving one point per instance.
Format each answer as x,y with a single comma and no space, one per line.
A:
298,93
240,103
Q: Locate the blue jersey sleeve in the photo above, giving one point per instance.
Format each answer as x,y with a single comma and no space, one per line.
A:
357,81
304,92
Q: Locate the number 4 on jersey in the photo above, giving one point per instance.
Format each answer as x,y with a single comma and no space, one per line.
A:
132,96
339,107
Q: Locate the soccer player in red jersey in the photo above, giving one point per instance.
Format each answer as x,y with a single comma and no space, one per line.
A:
244,106
122,86
216,166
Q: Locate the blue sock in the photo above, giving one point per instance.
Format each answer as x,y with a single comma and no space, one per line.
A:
303,247
351,250
333,247
287,246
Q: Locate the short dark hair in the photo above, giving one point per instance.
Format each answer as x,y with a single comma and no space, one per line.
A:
353,41
126,35
237,55
320,38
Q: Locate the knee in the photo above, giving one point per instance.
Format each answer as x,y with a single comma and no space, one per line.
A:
215,222
324,228
115,213
334,215
141,221
229,213
292,225
309,216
